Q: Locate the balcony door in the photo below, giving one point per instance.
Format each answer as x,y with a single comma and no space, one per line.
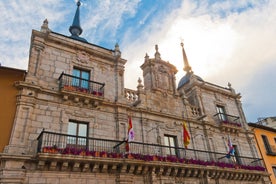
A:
81,78
171,143
221,113
76,129
237,155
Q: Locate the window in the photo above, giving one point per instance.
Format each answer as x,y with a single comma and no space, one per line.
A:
274,170
171,142
221,113
266,144
237,155
79,75
77,129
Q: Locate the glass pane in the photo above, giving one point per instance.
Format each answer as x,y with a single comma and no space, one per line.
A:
72,130
84,83
221,112
75,81
166,142
82,132
85,75
76,72
172,144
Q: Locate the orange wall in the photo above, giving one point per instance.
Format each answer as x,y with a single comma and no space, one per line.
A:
8,101
268,160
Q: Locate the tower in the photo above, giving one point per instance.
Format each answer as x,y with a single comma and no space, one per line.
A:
158,74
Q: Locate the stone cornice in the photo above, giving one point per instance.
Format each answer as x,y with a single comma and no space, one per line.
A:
73,163
214,88
68,42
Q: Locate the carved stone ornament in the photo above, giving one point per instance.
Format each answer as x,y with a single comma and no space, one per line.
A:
82,57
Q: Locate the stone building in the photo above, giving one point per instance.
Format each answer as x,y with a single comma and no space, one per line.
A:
73,116
268,121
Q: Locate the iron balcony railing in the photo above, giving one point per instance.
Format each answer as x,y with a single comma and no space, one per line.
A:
226,119
50,142
76,84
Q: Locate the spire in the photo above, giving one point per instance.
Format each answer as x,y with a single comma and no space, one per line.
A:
187,68
75,29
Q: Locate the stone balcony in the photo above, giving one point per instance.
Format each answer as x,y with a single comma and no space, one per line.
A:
79,89
228,123
61,152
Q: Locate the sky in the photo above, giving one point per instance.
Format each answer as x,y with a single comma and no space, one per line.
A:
225,40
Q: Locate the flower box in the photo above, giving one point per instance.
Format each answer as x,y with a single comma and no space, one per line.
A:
130,156
114,155
69,88
96,153
103,154
229,123
50,149
155,158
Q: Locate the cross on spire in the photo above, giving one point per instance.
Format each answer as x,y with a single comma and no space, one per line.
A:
187,68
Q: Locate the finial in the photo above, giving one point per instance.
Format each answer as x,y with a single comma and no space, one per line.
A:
157,54
117,50
146,57
187,68
45,22
140,85
44,28
78,3
230,87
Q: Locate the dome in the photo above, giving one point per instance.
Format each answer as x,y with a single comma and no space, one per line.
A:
184,80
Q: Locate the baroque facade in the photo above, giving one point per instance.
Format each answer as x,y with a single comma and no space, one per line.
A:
73,113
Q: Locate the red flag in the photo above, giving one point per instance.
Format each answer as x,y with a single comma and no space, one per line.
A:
130,131
186,135
130,134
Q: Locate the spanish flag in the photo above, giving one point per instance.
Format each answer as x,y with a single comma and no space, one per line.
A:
186,135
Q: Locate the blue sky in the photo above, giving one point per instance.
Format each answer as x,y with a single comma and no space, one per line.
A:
225,40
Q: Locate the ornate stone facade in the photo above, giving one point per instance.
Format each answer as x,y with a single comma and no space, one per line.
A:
52,96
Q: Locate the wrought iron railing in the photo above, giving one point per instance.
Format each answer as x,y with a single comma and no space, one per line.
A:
71,83
50,142
226,119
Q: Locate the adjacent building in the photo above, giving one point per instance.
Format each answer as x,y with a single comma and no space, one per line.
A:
268,121
266,140
8,97
76,122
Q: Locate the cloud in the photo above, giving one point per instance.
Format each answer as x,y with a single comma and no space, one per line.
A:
17,21
234,47
105,18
